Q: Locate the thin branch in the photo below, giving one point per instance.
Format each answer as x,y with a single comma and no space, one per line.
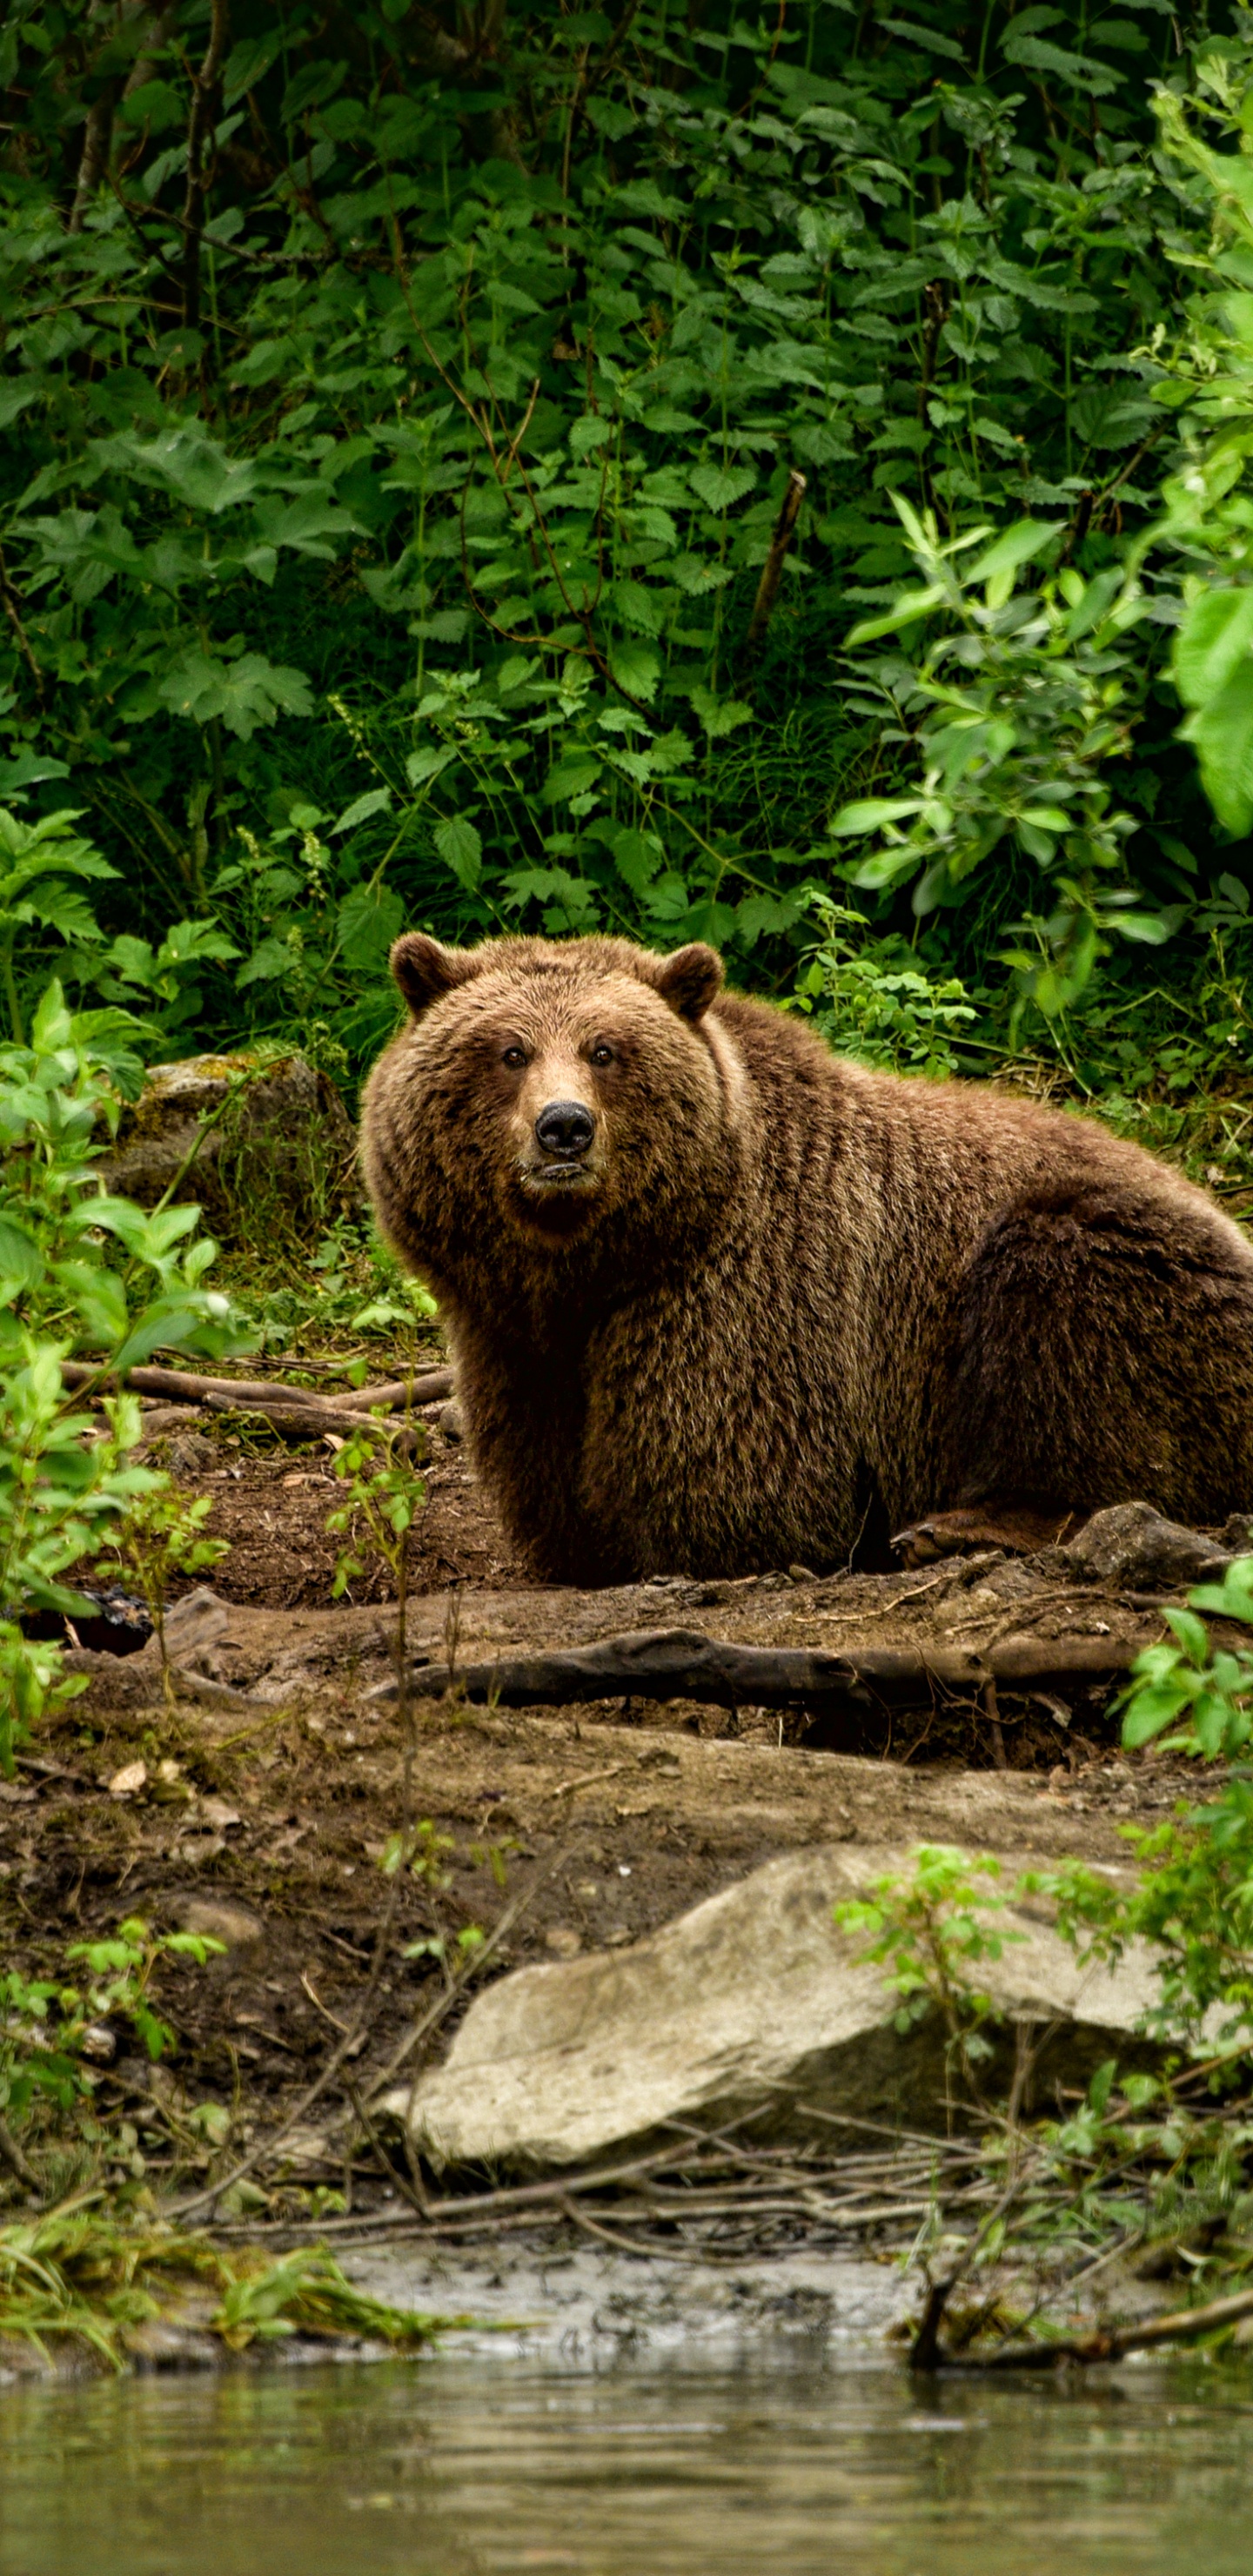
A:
204,87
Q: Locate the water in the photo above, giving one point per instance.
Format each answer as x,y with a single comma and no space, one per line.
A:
458,2467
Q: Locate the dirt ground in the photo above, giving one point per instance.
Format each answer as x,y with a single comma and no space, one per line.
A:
268,1794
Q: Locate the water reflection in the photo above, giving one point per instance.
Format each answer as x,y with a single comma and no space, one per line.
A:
463,2468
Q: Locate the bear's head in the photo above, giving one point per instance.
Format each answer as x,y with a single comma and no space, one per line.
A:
566,1082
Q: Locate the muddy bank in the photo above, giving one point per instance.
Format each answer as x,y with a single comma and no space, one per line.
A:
260,1807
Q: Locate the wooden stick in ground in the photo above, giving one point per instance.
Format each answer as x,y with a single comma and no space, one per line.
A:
683,1663
772,569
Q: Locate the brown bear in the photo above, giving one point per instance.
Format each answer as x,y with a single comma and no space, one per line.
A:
718,1301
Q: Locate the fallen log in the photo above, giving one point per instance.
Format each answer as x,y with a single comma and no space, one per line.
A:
682,1663
429,1386
313,1421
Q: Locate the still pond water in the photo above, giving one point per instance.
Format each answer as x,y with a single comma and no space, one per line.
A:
466,2468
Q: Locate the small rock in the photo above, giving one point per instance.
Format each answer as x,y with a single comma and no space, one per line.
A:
563,1940
1238,1534
1132,1546
304,2149
216,1921
98,2043
450,1423
215,1813
128,1782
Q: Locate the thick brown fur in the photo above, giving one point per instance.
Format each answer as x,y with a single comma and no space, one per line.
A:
781,1293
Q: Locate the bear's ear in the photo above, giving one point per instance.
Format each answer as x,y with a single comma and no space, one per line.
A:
424,970
689,979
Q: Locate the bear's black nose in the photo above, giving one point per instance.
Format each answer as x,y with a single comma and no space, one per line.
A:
565,1127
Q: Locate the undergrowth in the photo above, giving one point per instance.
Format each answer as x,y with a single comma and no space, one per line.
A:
1151,2166
84,2278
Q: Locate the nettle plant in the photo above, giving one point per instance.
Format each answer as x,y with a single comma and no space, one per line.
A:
81,1272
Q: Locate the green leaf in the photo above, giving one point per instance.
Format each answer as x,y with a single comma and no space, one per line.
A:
904,612
21,1262
636,667
245,694
719,716
722,485
377,800
1019,545
1213,640
1223,734
368,920
422,766
637,857
461,849
870,813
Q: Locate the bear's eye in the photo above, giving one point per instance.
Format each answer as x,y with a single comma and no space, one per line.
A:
602,1054
514,1057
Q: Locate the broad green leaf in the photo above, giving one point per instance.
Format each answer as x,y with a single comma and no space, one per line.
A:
637,857
591,432
368,920
636,667
422,766
461,849
1152,1709
722,485
245,693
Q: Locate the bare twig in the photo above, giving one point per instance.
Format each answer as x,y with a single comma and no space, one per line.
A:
772,569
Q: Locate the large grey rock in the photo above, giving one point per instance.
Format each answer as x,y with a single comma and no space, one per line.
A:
264,1147
1132,1546
751,2002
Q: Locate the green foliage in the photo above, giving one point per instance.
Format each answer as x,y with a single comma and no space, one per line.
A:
91,2277
121,1971
397,418
161,1534
384,1492
1194,1892
79,1270
1018,703
1138,2156
873,999
1208,380
306,2293
45,2022
933,1929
